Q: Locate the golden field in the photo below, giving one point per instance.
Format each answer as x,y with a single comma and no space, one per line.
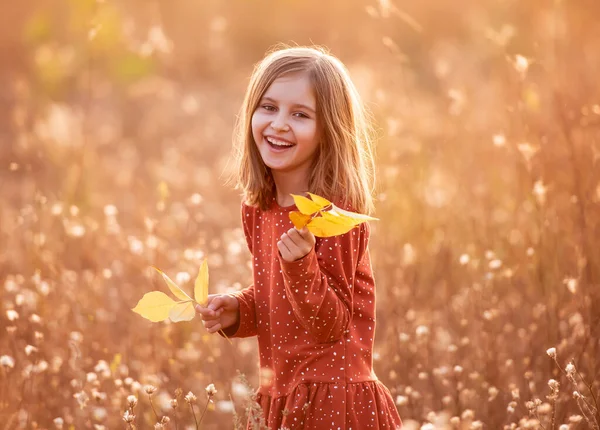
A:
115,134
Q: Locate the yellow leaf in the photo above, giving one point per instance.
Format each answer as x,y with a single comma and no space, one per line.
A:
319,200
299,219
306,206
353,215
178,292
201,284
332,221
154,306
327,226
182,311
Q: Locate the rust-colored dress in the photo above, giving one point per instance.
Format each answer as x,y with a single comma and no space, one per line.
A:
315,323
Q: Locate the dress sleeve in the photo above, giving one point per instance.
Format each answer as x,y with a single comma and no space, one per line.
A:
320,285
246,325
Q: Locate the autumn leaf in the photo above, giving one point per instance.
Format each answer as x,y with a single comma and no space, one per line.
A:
323,218
319,200
327,225
299,219
178,292
306,206
201,284
155,306
182,311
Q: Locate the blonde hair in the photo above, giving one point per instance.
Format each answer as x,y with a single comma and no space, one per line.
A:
343,168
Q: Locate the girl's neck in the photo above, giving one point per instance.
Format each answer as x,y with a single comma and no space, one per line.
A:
287,183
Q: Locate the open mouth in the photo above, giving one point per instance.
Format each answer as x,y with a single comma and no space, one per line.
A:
278,144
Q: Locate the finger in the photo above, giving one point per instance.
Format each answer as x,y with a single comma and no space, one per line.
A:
205,312
301,246
214,328
284,250
216,303
296,250
296,237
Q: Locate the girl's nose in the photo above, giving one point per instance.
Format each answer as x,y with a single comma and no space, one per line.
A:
279,124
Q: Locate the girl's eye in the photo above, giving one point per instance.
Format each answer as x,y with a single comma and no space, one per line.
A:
268,107
301,115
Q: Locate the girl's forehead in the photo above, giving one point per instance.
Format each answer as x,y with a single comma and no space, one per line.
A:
290,87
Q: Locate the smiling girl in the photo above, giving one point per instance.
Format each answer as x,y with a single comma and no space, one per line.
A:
303,128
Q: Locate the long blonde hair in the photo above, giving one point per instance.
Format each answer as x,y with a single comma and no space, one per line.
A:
343,168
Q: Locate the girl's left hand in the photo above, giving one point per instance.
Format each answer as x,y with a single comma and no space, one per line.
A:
295,244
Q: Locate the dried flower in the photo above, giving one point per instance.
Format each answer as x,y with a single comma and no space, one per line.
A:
211,390
551,352
422,331
174,403
29,349
190,398
401,400
571,284
553,384
511,407
128,417
7,361
132,400
12,315
492,393
58,423
468,414
150,389
98,396
521,64
82,398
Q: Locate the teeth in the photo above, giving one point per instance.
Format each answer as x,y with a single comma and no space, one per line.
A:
278,142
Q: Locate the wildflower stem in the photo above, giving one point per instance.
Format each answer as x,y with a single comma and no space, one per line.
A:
194,414
590,388
553,418
205,408
152,406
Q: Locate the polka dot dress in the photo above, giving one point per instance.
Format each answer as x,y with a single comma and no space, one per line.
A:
315,323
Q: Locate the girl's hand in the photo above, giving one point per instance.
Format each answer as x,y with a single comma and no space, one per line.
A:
295,244
221,311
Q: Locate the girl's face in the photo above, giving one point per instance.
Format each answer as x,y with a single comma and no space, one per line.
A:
284,125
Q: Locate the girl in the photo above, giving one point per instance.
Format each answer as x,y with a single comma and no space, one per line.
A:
312,305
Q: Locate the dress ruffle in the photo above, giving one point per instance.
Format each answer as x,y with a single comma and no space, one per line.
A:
323,406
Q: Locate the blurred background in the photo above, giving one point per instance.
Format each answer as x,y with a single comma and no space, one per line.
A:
115,131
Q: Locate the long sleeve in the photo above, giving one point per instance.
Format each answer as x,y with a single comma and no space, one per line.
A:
246,325
319,286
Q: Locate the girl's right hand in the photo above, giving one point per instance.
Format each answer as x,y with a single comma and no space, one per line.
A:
221,311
